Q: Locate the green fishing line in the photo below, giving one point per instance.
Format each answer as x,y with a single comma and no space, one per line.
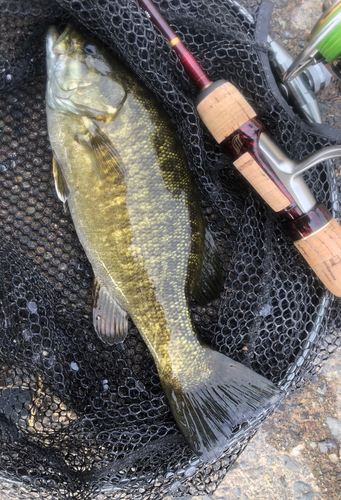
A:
330,46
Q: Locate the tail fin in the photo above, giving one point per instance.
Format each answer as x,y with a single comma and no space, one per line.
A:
209,410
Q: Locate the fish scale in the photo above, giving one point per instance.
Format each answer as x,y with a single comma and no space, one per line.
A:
121,169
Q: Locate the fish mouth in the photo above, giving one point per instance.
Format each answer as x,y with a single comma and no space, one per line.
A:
55,43
55,46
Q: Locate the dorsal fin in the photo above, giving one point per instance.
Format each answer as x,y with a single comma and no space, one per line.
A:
109,319
208,286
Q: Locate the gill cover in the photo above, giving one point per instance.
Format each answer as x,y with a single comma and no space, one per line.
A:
82,77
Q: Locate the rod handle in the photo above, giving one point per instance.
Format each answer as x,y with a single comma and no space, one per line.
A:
261,182
322,251
316,235
223,109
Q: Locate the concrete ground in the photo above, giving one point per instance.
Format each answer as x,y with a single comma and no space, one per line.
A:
297,453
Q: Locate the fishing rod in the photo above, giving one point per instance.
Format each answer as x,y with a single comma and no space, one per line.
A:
277,178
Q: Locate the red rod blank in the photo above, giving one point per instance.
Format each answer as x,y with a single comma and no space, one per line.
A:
188,61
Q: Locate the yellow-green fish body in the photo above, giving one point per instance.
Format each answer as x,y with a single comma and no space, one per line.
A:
121,169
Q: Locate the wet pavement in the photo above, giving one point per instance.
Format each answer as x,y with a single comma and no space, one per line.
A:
297,453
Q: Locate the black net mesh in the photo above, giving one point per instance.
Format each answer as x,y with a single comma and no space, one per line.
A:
79,419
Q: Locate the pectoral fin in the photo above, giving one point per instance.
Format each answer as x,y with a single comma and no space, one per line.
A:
60,183
208,286
104,157
109,319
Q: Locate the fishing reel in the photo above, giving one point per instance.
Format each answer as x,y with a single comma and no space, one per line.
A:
300,91
324,44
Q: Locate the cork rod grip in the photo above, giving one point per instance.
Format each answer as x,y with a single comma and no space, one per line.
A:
322,251
261,182
223,110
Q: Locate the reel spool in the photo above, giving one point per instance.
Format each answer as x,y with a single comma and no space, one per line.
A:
324,44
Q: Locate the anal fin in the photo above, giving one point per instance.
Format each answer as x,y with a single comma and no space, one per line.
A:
208,286
109,319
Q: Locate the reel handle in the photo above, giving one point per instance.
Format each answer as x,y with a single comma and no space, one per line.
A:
231,121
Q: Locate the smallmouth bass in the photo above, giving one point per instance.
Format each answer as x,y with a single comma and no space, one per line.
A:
121,169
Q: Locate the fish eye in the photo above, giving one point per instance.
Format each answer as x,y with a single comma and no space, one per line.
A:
89,48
